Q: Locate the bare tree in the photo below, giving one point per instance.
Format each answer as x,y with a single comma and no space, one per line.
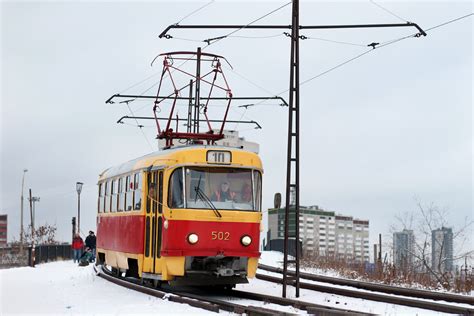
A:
44,235
430,251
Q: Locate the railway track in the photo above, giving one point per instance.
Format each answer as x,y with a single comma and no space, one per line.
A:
214,304
428,305
383,288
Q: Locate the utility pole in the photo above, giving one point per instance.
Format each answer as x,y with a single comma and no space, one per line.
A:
79,189
73,227
21,210
292,182
33,200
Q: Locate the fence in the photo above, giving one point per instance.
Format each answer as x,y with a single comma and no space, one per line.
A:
12,257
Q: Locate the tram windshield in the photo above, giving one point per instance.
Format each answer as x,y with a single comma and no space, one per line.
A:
215,188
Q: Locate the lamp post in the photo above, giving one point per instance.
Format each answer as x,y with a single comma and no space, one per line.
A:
79,189
21,210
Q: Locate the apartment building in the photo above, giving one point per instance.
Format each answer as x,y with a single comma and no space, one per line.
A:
3,230
324,233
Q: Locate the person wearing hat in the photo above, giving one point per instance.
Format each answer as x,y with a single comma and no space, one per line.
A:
90,242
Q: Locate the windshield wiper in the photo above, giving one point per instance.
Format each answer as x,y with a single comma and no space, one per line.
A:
205,198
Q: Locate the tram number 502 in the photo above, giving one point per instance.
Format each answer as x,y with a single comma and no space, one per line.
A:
219,157
220,235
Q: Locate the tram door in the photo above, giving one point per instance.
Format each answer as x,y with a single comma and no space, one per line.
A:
153,222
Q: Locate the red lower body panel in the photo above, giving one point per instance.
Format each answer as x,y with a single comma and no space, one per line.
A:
121,233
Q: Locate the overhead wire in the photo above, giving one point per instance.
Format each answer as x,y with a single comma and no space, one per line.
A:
384,44
195,11
448,22
230,34
388,11
155,74
257,37
138,125
219,38
333,41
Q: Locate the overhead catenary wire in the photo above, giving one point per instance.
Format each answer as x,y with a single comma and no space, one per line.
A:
448,22
333,41
378,46
219,38
195,11
141,129
388,11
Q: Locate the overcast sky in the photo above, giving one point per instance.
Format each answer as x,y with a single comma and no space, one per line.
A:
377,134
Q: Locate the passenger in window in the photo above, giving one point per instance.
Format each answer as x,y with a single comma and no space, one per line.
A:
223,193
246,193
152,191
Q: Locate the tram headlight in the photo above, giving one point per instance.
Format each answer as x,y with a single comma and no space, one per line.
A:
165,224
246,240
193,238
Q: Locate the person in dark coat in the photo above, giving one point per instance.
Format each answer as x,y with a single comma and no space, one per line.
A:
86,257
77,245
91,243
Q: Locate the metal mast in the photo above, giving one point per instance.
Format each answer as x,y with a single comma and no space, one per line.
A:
293,181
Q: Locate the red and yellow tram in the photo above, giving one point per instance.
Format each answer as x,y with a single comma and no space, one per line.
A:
163,217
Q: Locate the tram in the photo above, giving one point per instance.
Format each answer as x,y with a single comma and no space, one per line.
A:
191,213
160,217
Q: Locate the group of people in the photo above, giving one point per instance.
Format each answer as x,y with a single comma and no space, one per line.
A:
84,255
225,194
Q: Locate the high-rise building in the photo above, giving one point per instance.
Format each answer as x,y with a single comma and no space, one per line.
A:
442,249
3,230
324,233
403,249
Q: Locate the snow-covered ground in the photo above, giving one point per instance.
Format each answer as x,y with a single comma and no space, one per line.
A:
64,288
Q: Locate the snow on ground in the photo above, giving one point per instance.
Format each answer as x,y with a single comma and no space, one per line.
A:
64,288
275,258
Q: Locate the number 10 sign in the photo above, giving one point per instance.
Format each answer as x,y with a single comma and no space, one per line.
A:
219,157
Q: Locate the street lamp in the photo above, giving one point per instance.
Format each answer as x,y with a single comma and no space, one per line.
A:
33,200
21,210
79,189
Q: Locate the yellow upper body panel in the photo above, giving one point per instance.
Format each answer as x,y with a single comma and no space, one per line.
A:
186,155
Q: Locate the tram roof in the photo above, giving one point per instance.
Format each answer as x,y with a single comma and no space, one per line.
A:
147,160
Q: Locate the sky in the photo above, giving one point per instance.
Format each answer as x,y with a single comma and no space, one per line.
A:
378,134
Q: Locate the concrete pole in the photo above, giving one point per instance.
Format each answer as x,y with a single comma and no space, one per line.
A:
21,210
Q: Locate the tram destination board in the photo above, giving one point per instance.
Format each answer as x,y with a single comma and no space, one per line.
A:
219,157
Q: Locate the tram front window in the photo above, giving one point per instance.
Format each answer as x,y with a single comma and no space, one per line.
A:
219,188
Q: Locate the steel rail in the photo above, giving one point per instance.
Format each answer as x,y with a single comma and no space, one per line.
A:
446,308
215,305
197,301
396,290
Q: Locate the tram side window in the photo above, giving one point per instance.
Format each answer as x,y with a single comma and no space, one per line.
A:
137,194
100,201
128,194
113,192
176,194
121,196
107,197
257,189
